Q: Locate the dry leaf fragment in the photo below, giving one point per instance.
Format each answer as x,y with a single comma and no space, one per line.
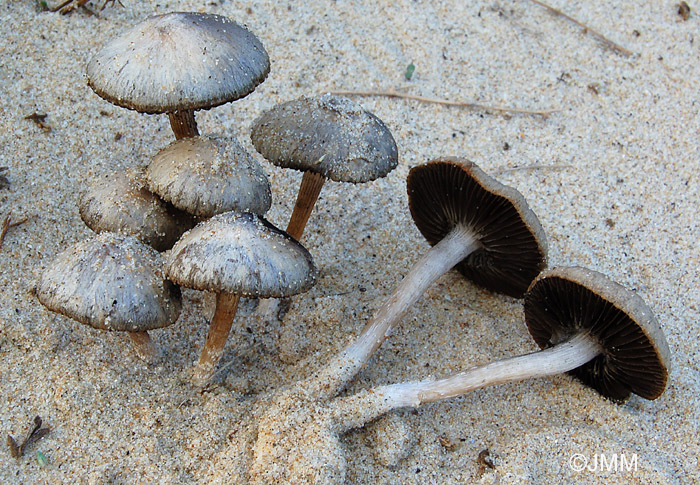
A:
484,461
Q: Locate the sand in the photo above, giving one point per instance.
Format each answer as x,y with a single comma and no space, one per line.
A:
612,175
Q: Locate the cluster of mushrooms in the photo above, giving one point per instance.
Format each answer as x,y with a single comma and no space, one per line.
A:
194,218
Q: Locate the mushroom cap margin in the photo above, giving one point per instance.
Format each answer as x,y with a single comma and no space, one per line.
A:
179,61
120,202
209,175
450,191
110,282
329,135
635,357
242,254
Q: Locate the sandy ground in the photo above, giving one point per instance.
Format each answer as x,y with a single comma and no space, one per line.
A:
613,177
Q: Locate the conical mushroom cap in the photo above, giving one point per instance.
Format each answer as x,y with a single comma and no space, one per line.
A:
241,254
328,135
179,61
120,202
110,282
635,358
206,176
445,193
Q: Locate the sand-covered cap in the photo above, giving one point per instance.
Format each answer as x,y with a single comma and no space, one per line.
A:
328,135
242,254
445,193
635,357
205,176
179,61
120,202
110,282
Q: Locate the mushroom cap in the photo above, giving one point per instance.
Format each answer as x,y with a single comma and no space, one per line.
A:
635,357
241,254
110,282
179,61
206,176
328,135
120,202
445,193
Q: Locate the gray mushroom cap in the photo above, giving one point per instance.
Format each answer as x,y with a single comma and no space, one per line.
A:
179,61
206,176
120,202
110,282
635,357
328,135
242,254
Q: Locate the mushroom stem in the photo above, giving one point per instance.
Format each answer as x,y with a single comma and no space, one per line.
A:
144,346
354,411
311,185
226,306
183,124
453,248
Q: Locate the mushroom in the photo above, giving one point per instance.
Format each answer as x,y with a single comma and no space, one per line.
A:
120,202
236,254
206,176
112,282
326,137
476,224
178,63
588,325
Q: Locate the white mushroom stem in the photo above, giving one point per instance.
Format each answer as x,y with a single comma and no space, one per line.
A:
354,411
226,306
144,346
454,247
183,124
311,185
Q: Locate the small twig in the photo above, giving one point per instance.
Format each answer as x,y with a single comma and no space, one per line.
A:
68,6
7,224
61,5
391,93
586,29
531,167
39,120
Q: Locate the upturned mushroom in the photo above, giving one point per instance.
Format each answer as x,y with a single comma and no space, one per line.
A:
112,282
325,137
237,254
178,63
205,176
120,202
476,224
588,325
585,323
